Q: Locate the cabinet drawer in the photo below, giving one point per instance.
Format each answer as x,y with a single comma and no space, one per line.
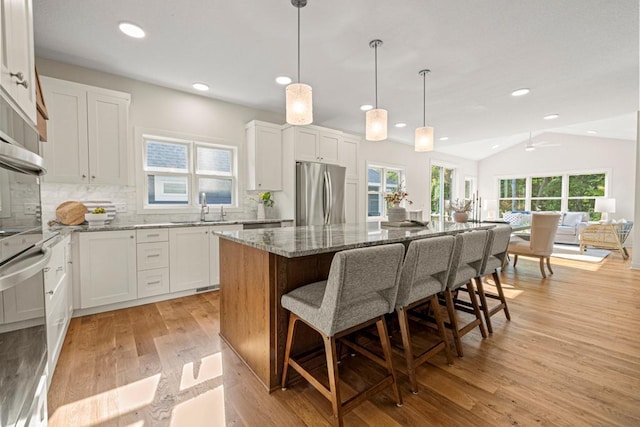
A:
153,235
153,255
153,282
55,269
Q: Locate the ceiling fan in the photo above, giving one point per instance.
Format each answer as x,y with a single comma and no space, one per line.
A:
530,145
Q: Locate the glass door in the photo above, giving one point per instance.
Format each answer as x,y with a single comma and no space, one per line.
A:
441,192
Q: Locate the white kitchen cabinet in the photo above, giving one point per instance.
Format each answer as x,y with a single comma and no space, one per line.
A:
188,258
153,282
87,133
153,255
264,156
58,307
315,144
352,214
153,262
107,267
24,302
214,251
348,155
17,73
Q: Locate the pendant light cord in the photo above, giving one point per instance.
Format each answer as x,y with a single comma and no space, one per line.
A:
424,99
376,73
298,45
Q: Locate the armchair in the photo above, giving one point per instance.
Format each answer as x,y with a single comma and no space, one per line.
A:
609,236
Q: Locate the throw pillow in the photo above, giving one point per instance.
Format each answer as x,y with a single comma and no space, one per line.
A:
513,218
572,219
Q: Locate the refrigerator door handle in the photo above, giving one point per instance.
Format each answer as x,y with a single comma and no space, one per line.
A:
330,186
327,197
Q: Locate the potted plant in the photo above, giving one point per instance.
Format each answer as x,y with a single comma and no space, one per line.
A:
396,213
96,217
461,209
264,200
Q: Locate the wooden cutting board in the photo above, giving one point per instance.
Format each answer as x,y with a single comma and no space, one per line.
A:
71,213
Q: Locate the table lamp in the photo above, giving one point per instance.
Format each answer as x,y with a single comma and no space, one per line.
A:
491,210
605,206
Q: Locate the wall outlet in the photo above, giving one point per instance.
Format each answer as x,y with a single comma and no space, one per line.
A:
121,207
30,209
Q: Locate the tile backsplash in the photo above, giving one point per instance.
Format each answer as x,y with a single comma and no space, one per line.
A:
54,194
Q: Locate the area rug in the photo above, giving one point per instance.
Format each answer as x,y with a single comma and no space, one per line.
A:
573,252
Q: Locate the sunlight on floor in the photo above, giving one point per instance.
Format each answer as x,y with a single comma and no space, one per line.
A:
206,409
207,368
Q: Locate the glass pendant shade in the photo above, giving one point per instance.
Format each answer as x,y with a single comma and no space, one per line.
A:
299,104
424,139
376,125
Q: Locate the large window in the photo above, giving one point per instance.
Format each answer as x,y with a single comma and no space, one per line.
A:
568,192
177,172
441,191
381,180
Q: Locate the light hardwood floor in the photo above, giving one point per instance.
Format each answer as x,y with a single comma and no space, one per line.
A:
570,356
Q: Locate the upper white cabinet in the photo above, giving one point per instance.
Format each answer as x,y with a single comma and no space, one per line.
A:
315,144
264,156
17,74
348,155
188,258
87,133
107,267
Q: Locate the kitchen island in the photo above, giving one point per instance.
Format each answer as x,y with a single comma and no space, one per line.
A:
257,267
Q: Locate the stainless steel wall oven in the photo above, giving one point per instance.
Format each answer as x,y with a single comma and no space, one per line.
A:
23,344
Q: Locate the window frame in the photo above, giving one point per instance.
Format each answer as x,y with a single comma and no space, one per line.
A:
192,142
385,168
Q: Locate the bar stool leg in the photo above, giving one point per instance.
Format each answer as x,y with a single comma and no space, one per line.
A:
386,348
287,352
437,314
453,320
496,280
476,308
332,368
484,305
408,350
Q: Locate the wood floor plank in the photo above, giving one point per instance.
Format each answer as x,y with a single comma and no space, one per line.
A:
569,356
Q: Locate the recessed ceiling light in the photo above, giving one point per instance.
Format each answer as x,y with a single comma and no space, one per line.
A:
551,116
592,132
283,80
366,107
131,30
495,146
201,87
520,92
401,125
444,138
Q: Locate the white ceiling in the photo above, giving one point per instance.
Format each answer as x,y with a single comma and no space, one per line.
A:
579,57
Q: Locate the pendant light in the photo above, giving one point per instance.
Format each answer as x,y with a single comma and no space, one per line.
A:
528,146
299,104
376,119
424,135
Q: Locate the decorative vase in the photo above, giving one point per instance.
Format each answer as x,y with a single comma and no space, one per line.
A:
396,214
261,214
460,216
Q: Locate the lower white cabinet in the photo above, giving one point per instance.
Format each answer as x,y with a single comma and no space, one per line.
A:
107,267
23,302
188,258
153,282
214,251
58,305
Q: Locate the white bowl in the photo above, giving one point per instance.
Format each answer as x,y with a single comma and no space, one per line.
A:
96,219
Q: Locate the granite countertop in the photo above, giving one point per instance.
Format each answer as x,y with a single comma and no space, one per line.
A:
294,242
137,226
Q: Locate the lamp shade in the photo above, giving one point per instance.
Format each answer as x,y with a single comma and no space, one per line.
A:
299,104
605,205
376,125
424,139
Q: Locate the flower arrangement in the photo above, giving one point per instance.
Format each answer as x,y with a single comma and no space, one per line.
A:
461,205
394,199
264,198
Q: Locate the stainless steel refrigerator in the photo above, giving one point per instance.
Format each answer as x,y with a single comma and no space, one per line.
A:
320,193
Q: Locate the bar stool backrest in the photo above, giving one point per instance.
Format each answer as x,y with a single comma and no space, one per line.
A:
360,279
467,257
543,233
425,269
497,248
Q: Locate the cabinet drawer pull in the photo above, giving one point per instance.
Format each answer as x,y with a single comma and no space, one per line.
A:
155,282
50,293
153,256
59,268
131,237
23,83
153,235
46,269
84,176
93,177
18,75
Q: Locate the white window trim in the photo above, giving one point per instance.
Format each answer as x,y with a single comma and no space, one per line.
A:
385,167
564,204
455,191
193,141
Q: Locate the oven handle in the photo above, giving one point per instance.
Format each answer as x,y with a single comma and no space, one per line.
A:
23,267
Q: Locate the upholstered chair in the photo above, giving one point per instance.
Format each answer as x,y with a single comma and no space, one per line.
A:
424,275
361,288
543,233
495,255
465,266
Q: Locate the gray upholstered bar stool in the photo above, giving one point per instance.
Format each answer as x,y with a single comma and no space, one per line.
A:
424,276
495,256
466,264
361,288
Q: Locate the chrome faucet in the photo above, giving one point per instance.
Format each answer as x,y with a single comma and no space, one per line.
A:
222,214
203,205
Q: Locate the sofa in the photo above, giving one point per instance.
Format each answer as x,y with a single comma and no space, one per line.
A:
569,228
